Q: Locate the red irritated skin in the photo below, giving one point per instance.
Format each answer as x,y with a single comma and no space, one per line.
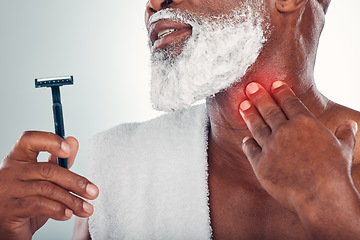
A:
233,96
165,32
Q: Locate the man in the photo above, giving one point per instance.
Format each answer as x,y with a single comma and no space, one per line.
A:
269,160
280,184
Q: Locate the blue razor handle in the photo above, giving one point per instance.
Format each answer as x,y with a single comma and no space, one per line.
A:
58,121
55,84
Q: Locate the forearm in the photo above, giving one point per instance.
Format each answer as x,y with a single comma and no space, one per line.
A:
332,216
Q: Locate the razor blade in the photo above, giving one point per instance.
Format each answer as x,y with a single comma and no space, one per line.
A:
55,83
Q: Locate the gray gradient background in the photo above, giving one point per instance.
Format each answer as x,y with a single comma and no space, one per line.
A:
103,44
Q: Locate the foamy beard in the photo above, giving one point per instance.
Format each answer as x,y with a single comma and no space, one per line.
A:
217,55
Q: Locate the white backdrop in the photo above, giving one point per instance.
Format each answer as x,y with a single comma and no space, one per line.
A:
103,45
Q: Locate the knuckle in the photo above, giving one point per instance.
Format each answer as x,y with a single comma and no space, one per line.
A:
80,183
25,138
54,142
47,188
261,130
28,168
25,135
348,132
253,151
56,210
291,102
47,170
22,203
76,204
57,143
283,128
272,114
284,132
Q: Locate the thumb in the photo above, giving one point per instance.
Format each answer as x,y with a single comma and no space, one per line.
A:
252,151
346,133
74,147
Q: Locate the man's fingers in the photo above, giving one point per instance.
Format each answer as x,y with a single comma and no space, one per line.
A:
33,206
286,98
267,107
252,150
346,133
74,147
31,143
256,125
54,192
60,176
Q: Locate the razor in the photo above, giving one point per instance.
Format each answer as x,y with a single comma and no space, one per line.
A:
55,83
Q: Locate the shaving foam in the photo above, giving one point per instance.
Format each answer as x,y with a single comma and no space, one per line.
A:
218,54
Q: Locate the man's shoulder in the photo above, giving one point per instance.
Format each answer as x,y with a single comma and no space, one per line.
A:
348,112
339,115
342,114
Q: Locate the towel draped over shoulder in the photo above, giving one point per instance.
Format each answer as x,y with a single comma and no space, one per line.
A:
153,179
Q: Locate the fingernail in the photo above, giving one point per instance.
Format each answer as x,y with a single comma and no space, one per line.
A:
68,213
245,139
354,125
252,88
65,147
277,84
245,105
88,207
92,190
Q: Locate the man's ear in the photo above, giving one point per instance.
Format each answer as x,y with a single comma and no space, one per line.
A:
289,6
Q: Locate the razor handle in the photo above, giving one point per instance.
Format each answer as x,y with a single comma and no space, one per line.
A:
58,121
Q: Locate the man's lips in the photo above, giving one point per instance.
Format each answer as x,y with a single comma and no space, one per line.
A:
164,32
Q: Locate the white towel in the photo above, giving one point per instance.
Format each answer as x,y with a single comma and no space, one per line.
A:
152,178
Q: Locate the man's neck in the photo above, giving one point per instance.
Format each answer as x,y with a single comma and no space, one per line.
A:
227,128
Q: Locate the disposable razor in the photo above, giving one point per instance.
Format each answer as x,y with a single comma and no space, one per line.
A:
55,83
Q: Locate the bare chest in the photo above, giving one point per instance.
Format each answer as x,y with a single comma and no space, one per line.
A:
250,214
245,212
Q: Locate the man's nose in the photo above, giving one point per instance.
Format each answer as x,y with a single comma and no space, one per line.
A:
153,6
161,4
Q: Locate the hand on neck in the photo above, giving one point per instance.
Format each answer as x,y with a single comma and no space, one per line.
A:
227,128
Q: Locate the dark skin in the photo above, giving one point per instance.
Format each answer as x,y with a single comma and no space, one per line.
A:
294,178
287,183
32,192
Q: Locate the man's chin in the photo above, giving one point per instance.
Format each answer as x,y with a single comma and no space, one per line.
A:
169,99
172,106
212,59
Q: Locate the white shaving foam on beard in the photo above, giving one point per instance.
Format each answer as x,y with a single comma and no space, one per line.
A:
217,55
